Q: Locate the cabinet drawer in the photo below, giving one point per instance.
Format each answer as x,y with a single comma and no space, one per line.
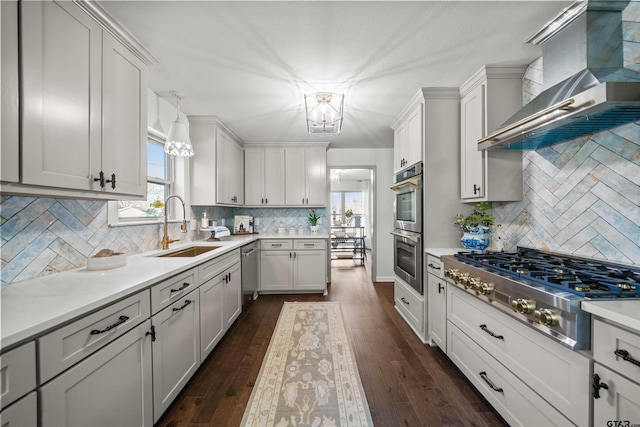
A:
167,292
409,304
23,413
70,344
17,373
608,339
214,267
517,403
309,244
435,266
278,245
552,370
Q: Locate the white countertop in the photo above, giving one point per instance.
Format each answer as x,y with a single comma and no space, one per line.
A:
624,312
34,306
442,251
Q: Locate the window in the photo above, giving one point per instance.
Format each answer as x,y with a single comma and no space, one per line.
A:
159,181
343,202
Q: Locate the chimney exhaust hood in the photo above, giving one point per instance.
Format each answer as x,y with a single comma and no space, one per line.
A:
587,88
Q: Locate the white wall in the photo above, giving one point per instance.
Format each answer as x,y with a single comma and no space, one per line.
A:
382,160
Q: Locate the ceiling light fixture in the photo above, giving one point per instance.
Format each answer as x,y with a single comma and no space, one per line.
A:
324,112
178,142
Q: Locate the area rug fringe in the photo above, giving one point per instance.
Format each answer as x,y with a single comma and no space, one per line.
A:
308,376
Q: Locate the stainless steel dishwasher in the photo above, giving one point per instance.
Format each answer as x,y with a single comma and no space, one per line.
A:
249,265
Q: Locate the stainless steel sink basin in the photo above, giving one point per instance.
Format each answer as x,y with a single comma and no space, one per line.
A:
191,251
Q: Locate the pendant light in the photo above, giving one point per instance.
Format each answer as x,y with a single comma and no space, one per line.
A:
178,142
324,112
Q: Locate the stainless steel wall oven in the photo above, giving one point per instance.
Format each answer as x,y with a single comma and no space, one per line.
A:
407,203
407,257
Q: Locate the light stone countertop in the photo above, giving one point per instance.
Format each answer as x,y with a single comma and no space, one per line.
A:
32,307
438,252
624,312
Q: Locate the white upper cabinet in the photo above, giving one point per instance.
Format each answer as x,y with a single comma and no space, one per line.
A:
489,98
217,173
306,176
10,155
83,104
264,176
407,135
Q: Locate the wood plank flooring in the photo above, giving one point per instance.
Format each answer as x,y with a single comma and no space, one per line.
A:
406,382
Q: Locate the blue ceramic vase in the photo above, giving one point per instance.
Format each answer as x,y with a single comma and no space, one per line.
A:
477,239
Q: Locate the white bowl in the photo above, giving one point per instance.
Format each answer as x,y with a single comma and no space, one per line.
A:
339,233
107,262
350,235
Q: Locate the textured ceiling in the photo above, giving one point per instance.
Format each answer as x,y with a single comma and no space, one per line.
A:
249,63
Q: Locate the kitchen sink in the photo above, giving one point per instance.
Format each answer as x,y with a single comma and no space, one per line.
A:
190,251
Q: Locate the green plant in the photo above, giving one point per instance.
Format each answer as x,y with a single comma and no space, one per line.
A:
480,220
313,217
348,213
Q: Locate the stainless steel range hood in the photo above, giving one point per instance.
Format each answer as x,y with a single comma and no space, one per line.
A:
587,88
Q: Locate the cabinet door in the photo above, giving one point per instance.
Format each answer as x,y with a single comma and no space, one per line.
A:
232,305
254,173
212,324
399,136
176,350
124,112
23,413
437,314
236,174
316,176
472,118
295,177
275,270
310,269
273,176
110,388
618,402
10,147
223,167
62,96
413,142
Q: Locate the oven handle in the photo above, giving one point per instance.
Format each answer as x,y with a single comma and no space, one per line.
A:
415,181
415,239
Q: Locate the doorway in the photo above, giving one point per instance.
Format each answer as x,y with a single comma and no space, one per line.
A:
351,217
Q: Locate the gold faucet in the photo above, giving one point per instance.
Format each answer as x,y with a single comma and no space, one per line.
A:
165,238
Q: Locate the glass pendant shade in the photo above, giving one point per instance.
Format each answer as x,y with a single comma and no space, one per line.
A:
178,142
324,112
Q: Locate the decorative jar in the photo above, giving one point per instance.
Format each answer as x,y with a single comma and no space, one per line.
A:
476,240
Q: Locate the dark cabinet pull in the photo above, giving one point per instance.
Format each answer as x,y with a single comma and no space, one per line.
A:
484,328
625,356
266,201
152,333
186,303
486,379
101,179
434,266
596,386
404,300
440,288
184,286
476,189
120,321
112,181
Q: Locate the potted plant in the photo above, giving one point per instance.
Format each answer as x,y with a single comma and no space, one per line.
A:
313,220
476,227
349,214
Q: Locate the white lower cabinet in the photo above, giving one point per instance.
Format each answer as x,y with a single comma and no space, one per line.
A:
410,305
220,306
298,265
23,413
176,350
437,312
619,401
112,387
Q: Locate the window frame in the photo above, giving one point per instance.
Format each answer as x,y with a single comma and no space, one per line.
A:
342,208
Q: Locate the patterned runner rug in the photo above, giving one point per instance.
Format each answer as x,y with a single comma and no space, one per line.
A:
309,375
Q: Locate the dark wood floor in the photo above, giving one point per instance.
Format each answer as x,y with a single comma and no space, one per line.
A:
406,382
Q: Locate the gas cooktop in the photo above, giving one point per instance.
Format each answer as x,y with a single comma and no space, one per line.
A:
587,278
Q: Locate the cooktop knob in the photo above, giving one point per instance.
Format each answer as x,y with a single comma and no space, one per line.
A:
485,288
451,272
546,317
523,306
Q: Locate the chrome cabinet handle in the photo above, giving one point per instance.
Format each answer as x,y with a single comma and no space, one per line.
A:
120,321
625,356
484,328
184,286
186,303
486,379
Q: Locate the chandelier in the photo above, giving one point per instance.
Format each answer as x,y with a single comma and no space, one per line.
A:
324,112
178,142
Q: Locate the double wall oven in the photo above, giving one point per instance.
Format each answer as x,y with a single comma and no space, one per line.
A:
407,232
